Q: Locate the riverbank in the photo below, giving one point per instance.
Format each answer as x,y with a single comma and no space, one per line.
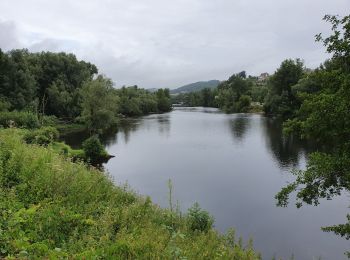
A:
54,208
233,165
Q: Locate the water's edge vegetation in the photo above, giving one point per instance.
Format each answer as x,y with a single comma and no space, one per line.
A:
52,207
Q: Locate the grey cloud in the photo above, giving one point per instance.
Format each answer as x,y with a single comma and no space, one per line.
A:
45,45
54,45
157,43
8,35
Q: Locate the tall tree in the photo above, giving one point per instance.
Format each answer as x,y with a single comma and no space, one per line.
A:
280,99
163,97
17,84
60,77
99,103
230,93
46,80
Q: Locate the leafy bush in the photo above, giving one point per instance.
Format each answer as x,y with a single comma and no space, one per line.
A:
199,219
50,121
19,119
66,150
93,149
4,105
42,136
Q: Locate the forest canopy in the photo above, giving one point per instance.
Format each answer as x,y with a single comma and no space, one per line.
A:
58,84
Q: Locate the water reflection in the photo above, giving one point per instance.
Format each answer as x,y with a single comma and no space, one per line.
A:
287,151
124,130
75,139
109,137
164,124
147,123
239,125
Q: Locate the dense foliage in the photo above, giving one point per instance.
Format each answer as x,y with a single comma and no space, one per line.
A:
203,98
46,82
199,219
51,208
93,149
57,84
237,94
19,119
324,116
99,104
233,93
43,136
280,99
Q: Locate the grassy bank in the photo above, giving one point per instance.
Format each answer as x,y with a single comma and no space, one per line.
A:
53,208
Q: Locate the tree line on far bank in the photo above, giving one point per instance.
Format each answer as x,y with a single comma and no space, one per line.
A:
274,95
237,94
59,85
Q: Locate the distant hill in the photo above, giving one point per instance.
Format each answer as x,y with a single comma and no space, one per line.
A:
193,87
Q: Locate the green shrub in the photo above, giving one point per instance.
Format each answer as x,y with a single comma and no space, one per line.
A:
199,219
93,149
42,136
66,150
4,105
19,119
50,121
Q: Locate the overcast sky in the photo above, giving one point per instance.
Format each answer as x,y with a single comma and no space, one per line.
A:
169,43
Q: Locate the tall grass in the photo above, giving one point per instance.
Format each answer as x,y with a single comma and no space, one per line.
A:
51,207
19,119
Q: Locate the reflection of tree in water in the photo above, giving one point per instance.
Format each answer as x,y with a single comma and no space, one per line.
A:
75,139
109,137
211,110
126,127
164,124
239,126
287,150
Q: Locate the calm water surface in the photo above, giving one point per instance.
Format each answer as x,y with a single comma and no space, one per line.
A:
233,165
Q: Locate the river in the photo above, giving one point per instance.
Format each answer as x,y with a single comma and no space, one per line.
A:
232,165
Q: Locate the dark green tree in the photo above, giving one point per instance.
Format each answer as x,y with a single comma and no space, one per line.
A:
45,82
280,99
17,84
324,116
231,91
100,104
163,99
93,150
60,77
